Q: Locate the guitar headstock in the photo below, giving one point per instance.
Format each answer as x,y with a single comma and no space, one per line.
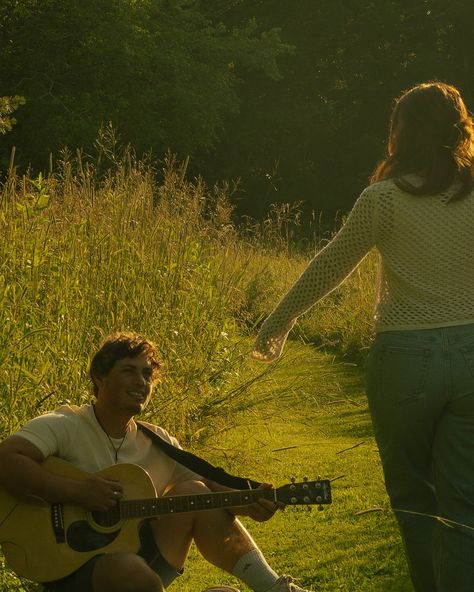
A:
305,493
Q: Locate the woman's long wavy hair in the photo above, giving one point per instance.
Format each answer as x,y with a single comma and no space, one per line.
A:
432,135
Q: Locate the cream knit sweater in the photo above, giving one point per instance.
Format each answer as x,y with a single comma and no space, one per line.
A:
426,246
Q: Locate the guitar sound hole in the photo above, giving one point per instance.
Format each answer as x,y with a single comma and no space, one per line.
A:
81,537
109,518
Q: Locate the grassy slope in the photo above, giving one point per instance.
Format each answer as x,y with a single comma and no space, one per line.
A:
326,428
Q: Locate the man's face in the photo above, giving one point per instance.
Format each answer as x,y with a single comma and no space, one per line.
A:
128,386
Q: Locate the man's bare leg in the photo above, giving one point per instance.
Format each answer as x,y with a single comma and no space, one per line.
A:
124,572
220,537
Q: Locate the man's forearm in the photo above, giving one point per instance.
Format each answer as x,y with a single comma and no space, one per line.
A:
23,476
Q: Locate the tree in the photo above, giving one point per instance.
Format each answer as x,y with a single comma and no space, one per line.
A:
9,105
158,69
291,97
316,134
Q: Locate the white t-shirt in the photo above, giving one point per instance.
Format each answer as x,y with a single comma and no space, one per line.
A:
73,434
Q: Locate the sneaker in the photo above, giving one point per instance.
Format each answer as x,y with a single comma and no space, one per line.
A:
286,584
221,589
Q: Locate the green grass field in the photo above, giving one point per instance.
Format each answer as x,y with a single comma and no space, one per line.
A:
324,429
87,252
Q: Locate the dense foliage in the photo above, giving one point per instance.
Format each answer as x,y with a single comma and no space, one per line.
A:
291,97
8,105
158,69
316,134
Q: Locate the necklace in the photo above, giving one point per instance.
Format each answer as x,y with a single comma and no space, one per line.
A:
116,448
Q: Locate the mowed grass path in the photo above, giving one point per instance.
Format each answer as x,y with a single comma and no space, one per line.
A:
322,429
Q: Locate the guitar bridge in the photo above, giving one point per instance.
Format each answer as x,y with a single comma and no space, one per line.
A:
57,522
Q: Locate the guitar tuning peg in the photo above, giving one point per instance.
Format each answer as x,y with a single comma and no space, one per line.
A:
308,508
292,479
305,479
320,508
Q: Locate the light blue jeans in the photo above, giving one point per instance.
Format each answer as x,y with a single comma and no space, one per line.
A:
420,387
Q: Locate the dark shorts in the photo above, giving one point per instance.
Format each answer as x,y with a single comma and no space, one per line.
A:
81,580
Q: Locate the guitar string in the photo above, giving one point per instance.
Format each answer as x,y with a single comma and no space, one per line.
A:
116,448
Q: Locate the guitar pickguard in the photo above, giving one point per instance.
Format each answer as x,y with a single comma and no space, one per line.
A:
81,537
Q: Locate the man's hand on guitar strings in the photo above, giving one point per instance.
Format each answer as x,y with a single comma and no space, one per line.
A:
98,493
261,510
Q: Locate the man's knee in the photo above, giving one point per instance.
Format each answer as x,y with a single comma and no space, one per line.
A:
124,572
188,488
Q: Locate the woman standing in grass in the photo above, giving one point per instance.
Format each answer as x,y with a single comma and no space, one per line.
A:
418,212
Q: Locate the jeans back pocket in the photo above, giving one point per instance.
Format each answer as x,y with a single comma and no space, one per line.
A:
398,374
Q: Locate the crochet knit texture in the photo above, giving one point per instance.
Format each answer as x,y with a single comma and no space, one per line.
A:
426,244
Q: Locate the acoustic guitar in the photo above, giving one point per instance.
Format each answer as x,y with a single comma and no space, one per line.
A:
45,542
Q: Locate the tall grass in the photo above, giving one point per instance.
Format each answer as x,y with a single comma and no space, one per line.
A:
343,322
84,254
87,250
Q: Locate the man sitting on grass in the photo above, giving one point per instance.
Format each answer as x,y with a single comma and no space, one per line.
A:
92,438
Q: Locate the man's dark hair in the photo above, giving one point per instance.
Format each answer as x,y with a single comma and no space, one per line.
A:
119,346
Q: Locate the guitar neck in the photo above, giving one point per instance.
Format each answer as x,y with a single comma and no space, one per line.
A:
147,508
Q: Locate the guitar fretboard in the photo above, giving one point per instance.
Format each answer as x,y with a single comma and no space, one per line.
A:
147,508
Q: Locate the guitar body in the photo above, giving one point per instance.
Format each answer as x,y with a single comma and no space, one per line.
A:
45,542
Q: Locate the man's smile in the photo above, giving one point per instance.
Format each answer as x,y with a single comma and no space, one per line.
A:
138,396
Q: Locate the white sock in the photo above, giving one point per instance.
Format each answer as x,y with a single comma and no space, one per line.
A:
253,569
